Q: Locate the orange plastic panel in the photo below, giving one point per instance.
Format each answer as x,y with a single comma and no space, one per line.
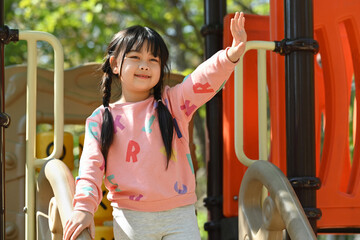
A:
277,88
257,28
336,28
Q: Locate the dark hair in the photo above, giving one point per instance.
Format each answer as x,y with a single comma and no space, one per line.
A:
122,43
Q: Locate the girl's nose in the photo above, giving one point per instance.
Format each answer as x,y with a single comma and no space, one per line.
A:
144,67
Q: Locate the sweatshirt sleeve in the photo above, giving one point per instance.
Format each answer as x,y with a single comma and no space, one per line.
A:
201,85
88,193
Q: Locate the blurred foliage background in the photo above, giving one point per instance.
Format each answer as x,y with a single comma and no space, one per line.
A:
86,27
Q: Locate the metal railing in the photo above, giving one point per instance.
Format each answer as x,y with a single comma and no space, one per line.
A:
261,47
32,37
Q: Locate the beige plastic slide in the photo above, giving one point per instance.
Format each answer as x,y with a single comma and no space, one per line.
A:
281,209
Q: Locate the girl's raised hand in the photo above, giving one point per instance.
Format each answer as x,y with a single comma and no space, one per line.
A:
77,223
237,28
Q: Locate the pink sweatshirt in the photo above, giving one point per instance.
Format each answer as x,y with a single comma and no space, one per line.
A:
136,174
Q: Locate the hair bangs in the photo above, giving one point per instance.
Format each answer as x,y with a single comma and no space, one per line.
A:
145,37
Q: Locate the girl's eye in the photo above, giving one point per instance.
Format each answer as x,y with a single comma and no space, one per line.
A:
154,60
134,57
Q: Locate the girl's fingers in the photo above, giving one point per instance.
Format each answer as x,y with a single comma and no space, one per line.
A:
236,15
236,19
77,232
243,22
92,230
69,230
65,231
237,22
68,233
240,21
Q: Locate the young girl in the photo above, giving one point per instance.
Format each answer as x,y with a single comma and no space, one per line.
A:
140,142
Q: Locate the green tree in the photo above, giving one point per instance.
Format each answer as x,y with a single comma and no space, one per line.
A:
85,27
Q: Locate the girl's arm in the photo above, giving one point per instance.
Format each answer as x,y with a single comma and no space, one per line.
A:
208,78
88,192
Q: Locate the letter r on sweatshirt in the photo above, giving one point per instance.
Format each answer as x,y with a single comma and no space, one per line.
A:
202,88
132,150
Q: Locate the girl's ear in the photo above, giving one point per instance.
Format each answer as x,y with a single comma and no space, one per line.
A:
113,65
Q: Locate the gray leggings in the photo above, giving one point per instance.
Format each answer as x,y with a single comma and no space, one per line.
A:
175,224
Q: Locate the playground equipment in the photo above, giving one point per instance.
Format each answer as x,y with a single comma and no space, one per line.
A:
336,76
55,183
280,209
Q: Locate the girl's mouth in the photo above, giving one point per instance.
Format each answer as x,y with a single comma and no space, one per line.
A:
142,76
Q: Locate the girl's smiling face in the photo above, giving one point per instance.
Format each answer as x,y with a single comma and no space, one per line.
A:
140,72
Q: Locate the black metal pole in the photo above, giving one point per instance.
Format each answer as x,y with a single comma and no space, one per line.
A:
300,116
215,11
6,35
2,142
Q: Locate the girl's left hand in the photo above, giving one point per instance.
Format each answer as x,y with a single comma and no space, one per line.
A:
237,28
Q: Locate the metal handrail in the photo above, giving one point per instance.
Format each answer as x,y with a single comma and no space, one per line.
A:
31,161
261,46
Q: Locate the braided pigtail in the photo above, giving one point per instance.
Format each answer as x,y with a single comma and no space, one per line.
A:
107,128
165,122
